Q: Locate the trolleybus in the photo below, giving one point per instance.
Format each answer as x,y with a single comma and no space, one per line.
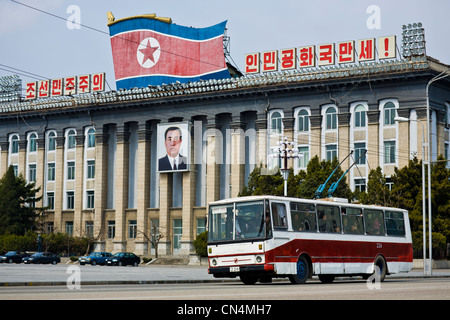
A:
265,237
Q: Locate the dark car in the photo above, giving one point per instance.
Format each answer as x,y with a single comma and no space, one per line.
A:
13,256
42,257
123,259
95,258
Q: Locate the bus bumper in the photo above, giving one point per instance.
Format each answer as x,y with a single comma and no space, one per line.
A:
232,272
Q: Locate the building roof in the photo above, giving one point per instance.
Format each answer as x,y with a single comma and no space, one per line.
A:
244,85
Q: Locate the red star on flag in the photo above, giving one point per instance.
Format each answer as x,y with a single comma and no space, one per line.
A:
148,52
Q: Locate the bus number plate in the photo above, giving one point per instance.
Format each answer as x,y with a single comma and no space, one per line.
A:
234,269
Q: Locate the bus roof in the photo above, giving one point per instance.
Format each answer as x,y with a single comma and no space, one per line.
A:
333,201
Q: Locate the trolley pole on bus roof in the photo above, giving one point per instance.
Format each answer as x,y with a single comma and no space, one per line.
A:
286,150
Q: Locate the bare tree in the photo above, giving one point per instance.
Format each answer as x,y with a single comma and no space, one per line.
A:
154,237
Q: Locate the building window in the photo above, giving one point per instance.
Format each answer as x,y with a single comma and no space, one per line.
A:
51,171
331,118
51,200
360,185
16,170
32,144
201,225
303,157
276,122
303,121
71,170
69,228
331,152
14,144
389,114
111,229
132,229
89,229
389,152
91,169
51,141
177,232
360,116
360,148
90,199
32,173
71,143
91,138
70,200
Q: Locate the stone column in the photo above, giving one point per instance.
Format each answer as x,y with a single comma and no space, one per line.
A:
79,186
165,202
213,159
261,139
23,156
101,186
59,178
143,188
316,134
40,168
187,211
121,172
4,145
403,135
373,155
344,141
237,155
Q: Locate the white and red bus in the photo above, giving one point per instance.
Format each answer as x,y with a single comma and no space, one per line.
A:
265,237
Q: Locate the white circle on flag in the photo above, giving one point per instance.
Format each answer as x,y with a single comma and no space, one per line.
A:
148,52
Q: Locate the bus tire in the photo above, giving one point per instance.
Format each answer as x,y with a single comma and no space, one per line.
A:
303,271
248,278
326,278
380,267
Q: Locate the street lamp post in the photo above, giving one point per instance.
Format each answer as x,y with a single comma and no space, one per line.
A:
440,76
286,151
403,119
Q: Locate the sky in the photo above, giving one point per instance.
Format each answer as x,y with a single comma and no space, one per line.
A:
38,42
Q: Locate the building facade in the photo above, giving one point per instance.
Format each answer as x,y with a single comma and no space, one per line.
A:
95,155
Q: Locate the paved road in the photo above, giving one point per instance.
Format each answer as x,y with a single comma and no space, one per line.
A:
20,274
235,292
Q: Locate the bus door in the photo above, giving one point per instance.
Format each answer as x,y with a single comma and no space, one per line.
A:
280,223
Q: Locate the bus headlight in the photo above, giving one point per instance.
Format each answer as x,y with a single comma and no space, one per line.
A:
258,259
214,262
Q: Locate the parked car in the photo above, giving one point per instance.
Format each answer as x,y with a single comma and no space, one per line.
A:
123,259
13,256
42,257
95,258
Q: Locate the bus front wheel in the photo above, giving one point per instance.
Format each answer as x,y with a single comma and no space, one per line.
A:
248,278
303,271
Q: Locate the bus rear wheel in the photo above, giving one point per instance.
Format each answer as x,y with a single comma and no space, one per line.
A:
303,271
380,268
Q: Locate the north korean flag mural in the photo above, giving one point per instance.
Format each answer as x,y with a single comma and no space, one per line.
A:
147,51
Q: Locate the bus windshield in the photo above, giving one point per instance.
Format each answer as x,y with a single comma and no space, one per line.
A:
237,221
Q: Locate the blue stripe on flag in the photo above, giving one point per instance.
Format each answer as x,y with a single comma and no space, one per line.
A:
155,80
169,29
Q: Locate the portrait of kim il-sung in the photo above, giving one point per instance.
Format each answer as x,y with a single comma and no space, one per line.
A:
173,147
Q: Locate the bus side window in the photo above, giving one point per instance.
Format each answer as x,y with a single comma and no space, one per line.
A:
374,222
328,218
352,220
395,225
279,215
303,217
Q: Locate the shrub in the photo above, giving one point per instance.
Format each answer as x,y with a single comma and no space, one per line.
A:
200,244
